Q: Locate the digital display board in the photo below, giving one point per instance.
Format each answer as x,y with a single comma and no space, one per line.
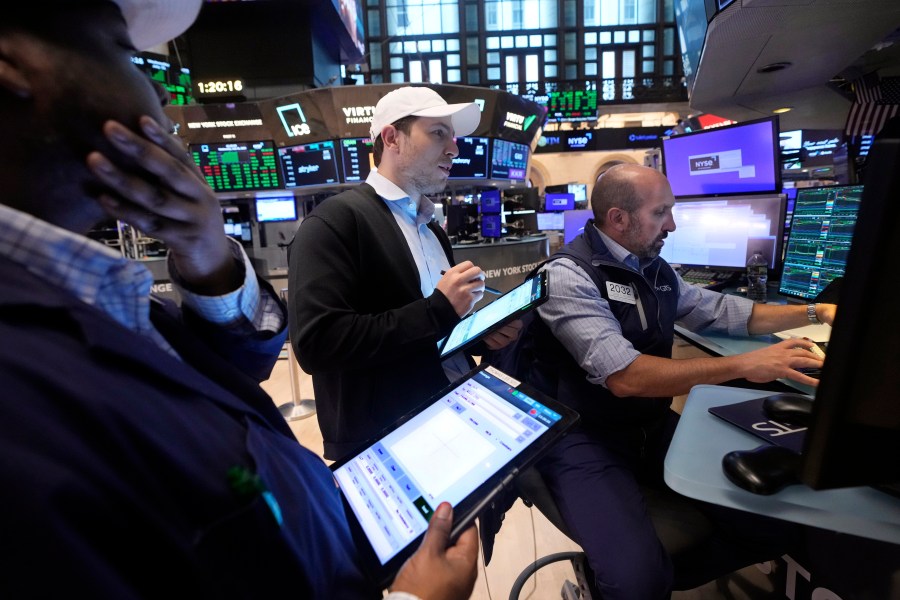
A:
572,105
491,226
176,81
819,241
357,159
489,202
731,160
307,165
559,201
238,166
509,160
472,161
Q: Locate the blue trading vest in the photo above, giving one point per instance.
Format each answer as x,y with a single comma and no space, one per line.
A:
649,324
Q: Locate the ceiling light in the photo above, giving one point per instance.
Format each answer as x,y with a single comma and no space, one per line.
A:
782,110
772,67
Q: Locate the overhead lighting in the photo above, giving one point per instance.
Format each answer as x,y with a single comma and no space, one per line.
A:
782,110
772,67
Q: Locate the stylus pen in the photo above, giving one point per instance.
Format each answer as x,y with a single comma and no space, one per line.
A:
488,289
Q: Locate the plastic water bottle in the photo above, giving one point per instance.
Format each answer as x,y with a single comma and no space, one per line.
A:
757,274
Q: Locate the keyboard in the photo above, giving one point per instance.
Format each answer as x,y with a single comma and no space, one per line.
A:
711,280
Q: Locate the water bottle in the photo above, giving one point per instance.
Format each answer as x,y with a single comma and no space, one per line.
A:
757,274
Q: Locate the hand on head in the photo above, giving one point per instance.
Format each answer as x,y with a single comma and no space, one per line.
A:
438,571
168,199
463,285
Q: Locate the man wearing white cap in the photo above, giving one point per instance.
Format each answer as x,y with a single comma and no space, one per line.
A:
372,280
143,460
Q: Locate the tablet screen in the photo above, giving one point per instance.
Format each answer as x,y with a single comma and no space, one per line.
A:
507,307
476,433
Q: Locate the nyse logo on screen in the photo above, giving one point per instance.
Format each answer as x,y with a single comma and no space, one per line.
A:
704,163
579,142
293,120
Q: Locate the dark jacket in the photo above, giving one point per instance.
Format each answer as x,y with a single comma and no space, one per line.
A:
358,322
121,462
649,324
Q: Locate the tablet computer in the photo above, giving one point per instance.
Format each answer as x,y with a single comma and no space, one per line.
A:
464,446
511,305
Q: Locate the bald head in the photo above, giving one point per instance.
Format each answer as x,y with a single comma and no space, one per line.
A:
633,205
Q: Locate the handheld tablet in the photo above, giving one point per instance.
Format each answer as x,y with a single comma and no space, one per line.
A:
464,446
511,305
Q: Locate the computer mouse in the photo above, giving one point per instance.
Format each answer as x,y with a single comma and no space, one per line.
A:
794,409
763,470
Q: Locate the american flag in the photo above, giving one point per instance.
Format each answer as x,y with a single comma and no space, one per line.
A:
876,102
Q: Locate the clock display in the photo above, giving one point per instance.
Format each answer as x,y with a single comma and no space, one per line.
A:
222,86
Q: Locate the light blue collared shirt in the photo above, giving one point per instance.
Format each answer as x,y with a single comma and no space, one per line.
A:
101,277
582,320
424,246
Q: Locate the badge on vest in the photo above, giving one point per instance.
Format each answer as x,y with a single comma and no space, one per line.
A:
620,292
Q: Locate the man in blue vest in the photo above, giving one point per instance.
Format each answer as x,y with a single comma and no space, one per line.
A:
603,345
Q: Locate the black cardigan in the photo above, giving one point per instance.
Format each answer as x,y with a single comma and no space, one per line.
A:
358,322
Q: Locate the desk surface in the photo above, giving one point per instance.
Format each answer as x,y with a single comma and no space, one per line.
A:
722,344
693,467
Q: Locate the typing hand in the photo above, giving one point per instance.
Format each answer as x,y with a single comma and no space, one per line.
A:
463,285
165,197
438,571
782,360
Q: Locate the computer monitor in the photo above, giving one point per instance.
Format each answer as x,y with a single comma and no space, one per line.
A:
236,222
551,221
573,223
275,208
489,202
731,160
491,226
238,166
509,160
472,160
559,201
309,165
357,159
723,233
854,435
579,190
462,220
822,229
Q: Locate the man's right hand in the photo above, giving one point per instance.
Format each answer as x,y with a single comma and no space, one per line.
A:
463,285
438,571
782,360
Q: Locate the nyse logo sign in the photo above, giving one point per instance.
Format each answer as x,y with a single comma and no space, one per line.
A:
704,163
580,142
518,122
358,114
293,120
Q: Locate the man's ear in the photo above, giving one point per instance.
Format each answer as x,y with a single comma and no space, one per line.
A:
390,135
12,79
617,218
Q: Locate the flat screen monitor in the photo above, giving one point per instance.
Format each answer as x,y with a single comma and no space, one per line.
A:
309,165
357,159
822,229
276,208
462,220
491,226
238,166
579,190
489,202
573,223
551,221
854,434
725,232
732,160
509,160
472,160
236,219
559,201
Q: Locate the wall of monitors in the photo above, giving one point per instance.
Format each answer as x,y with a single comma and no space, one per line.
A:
307,165
238,166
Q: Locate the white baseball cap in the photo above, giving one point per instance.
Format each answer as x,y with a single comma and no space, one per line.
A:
423,102
154,22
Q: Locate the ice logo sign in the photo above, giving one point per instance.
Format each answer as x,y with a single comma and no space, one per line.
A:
720,162
293,120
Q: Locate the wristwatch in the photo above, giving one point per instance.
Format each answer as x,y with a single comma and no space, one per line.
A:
811,313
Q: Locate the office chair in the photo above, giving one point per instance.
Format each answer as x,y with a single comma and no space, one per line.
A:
678,524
